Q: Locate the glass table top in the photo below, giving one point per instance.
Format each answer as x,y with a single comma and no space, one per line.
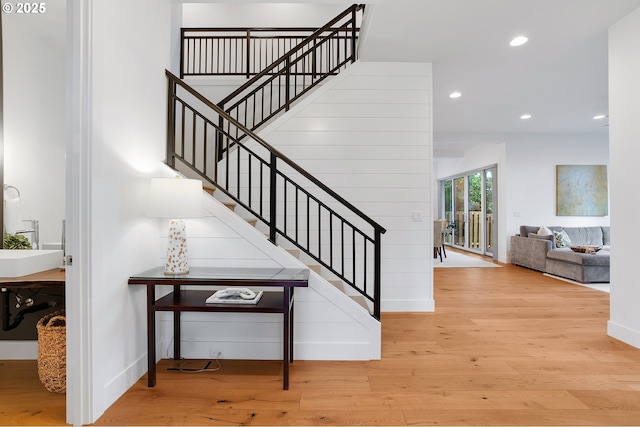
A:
228,273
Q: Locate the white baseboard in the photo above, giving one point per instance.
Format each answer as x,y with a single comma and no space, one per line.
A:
118,385
303,350
19,350
623,333
402,305
333,351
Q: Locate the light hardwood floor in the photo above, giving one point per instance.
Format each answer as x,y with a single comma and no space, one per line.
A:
505,346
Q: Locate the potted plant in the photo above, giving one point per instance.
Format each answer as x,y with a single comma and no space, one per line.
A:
16,242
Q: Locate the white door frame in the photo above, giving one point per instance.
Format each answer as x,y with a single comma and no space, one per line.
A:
78,210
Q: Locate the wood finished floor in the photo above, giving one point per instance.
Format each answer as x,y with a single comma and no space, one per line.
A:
506,346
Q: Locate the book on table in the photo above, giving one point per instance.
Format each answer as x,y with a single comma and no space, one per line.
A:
234,296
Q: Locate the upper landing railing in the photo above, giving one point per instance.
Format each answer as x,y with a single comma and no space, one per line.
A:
238,51
283,76
322,54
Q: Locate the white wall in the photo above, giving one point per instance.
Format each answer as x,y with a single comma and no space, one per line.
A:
367,135
624,103
125,141
239,14
531,177
527,177
34,101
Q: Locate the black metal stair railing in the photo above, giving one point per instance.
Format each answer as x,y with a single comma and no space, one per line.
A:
320,55
277,191
239,51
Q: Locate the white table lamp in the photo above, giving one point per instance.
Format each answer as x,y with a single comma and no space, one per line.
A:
176,198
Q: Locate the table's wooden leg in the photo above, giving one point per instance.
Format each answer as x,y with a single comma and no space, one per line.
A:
287,336
151,336
291,297
176,335
176,325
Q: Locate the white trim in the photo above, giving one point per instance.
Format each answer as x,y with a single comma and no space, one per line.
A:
408,305
368,16
78,237
19,350
132,373
623,333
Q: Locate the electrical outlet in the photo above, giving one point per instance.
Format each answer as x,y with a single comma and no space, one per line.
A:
215,353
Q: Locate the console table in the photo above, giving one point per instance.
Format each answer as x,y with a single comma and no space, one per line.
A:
194,301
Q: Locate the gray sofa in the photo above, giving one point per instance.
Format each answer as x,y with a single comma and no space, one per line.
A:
552,254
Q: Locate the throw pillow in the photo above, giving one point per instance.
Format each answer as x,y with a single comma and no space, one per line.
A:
561,239
544,231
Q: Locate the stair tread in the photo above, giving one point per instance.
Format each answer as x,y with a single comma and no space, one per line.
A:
362,301
337,284
315,267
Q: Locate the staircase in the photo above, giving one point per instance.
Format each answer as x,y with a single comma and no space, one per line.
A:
218,143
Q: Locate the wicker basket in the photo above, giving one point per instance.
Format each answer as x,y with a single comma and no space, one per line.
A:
52,351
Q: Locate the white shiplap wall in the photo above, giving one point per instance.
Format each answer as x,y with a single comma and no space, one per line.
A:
367,133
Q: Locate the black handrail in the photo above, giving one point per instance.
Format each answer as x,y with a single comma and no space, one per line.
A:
195,139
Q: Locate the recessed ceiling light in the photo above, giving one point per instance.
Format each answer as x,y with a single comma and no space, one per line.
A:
455,94
525,116
599,116
518,41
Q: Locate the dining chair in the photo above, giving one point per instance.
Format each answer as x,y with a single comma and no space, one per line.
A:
443,222
438,239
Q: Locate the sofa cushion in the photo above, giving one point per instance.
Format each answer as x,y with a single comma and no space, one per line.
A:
526,229
585,235
561,239
606,235
540,236
567,255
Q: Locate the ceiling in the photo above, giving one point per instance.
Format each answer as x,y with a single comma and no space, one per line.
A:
559,76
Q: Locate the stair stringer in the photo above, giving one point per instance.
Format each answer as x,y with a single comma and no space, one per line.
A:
329,325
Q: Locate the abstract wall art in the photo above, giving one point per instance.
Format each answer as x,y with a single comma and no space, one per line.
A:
582,190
